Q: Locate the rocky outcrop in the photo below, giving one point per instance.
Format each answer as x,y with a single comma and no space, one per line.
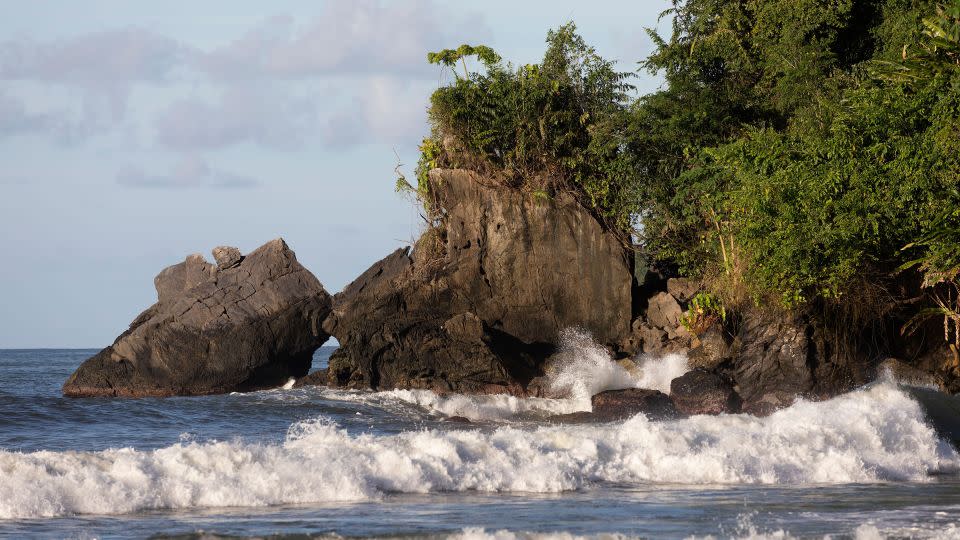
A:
478,305
620,404
250,323
613,405
703,392
773,356
776,357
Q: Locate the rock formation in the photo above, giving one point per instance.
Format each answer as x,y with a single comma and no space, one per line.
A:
478,304
703,392
250,323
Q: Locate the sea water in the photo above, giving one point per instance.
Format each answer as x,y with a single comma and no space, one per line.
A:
324,462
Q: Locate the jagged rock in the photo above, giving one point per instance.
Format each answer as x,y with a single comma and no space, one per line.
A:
250,326
613,405
654,339
702,392
619,404
630,366
663,311
478,305
711,350
683,289
531,267
226,256
773,357
465,327
174,280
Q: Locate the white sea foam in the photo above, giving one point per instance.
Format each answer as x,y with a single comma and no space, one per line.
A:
586,368
477,533
487,407
868,435
499,407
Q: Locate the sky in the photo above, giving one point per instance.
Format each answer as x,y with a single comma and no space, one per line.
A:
133,134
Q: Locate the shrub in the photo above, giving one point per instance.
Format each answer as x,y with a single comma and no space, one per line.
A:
548,127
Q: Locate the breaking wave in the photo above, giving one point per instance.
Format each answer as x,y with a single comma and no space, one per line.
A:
586,368
870,435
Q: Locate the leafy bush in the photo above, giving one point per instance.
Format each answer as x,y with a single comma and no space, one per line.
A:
705,310
784,157
548,127
801,150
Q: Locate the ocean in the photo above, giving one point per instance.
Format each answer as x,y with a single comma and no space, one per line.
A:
317,462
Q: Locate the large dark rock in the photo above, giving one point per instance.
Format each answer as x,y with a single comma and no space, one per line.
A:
702,392
478,304
778,357
620,404
710,350
774,356
251,324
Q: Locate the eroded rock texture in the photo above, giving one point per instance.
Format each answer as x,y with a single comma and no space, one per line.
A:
478,307
251,323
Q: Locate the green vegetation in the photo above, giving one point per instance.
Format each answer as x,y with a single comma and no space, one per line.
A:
801,152
704,311
548,127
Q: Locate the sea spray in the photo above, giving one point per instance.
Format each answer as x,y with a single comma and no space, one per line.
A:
868,435
584,368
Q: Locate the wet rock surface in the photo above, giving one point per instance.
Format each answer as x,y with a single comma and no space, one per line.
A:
252,324
702,392
620,404
479,305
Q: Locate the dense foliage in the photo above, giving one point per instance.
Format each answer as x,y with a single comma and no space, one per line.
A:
556,125
798,150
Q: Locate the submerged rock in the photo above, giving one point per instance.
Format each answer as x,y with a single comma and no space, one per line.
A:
478,305
619,404
702,392
248,325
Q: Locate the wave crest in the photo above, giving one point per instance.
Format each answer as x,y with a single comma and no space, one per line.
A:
868,435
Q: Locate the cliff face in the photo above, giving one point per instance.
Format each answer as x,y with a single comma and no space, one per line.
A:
480,307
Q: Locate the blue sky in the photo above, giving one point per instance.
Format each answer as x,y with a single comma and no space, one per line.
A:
134,133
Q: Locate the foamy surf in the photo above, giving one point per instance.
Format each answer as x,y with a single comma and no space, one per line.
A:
744,531
870,435
585,368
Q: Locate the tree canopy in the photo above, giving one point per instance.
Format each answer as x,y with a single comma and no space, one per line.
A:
798,150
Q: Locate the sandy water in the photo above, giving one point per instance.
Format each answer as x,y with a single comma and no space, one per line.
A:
321,462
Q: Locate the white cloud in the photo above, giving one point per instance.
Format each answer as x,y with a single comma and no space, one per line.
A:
359,37
15,119
119,56
384,110
190,172
271,119
370,53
